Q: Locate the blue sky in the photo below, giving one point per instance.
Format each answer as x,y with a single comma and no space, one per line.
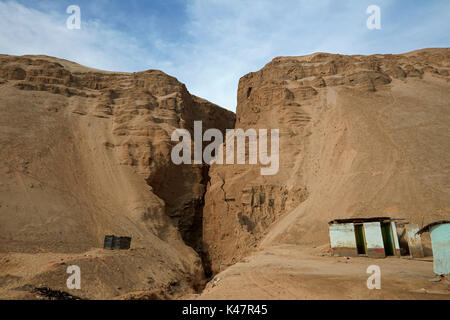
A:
210,44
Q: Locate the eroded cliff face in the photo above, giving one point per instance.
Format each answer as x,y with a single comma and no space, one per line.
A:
85,153
359,136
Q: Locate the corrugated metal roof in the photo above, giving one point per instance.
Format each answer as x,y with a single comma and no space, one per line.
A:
428,226
362,220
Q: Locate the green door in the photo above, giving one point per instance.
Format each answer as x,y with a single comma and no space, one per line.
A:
360,239
388,240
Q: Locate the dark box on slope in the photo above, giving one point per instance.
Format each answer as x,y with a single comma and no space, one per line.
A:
117,243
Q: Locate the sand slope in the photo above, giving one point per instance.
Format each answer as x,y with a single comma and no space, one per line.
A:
81,155
360,136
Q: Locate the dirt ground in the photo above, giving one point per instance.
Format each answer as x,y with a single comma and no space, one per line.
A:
295,272
105,274
279,272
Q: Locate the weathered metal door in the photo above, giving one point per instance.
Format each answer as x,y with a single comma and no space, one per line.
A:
414,241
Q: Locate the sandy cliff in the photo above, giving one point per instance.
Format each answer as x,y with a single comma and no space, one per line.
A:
85,153
359,136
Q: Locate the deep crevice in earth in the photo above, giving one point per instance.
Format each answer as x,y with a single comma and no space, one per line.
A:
167,184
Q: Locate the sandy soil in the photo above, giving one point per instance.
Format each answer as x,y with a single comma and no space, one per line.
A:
105,274
296,272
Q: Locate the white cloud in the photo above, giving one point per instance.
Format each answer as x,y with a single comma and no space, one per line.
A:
222,39
232,38
28,31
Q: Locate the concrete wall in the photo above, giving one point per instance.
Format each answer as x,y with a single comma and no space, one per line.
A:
374,240
342,239
440,241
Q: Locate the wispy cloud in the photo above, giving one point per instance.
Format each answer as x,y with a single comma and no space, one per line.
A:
25,30
210,44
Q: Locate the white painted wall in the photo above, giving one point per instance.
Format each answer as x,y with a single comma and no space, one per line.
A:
374,238
342,235
395,236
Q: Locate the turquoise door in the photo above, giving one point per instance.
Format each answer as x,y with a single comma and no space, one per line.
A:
440,241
